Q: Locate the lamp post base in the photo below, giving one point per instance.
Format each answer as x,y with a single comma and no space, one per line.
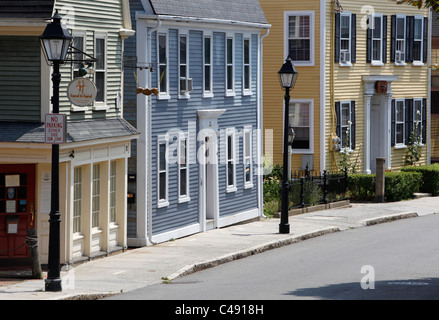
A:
284,228
53,285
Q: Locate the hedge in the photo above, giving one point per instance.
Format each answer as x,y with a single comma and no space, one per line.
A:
430,177
398,186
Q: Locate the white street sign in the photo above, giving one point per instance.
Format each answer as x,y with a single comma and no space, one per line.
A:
55,128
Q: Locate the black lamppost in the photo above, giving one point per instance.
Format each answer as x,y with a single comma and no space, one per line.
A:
287,77
55,41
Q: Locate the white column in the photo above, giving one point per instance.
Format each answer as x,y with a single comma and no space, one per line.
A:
367,100
388,128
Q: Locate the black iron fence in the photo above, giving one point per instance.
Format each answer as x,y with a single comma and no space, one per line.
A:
308,188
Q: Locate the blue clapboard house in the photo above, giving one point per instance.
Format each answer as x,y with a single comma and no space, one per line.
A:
193,89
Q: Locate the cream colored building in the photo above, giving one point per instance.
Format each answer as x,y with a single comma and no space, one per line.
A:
93,159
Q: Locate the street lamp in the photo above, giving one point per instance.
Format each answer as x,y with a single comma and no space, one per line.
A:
287,77
55,42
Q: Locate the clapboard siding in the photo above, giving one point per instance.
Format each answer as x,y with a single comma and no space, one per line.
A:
176,113
307,85
20,83
412,80
96,17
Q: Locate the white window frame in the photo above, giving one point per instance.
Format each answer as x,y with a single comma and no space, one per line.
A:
311,14
183,34
231,132
415,121
183,197
348,126
247,158
163,139
102,105
418,62
208,93
311,126
163,95
379,62
247,91
403,143
230,92
113,191
404,39
96,195
349,39
78,34
77,200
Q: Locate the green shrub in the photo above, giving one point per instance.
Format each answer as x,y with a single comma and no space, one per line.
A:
430,177
401,185
361,186
398,186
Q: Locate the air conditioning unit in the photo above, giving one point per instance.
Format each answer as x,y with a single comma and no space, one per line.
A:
399,56
185,85
345,57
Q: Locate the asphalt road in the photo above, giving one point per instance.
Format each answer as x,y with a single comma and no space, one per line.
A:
397,260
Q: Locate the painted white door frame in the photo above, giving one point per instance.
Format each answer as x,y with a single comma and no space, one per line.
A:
386,105
208,164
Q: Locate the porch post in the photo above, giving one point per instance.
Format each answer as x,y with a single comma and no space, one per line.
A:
367,99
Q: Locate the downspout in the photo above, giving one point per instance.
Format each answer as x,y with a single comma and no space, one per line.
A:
260,125
149,132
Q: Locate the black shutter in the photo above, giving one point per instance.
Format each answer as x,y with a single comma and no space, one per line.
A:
337,114
353,125
393,129
369,42
384,39
337,38
353,38
410,21
408,120
392,38
425,41
424,121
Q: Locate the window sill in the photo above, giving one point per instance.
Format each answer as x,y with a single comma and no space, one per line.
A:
207,95
162,204
247,93
303,63
400,146
298,151
377,64
230,94
78,109
186,96
184,199
163,97
248,185
346,64
231,189
100,108
401,64
418,64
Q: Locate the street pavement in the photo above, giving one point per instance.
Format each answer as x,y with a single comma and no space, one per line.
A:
136,268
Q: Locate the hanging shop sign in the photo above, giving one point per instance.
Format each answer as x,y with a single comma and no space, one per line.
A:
81,92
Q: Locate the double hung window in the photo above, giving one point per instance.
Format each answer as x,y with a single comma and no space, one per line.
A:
377,39
208,75
230,66
299,37
162,57
246,67
300,118
101,69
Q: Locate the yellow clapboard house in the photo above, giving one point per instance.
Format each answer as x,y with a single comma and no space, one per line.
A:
363,85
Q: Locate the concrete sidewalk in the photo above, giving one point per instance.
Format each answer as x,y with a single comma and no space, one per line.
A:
163,262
